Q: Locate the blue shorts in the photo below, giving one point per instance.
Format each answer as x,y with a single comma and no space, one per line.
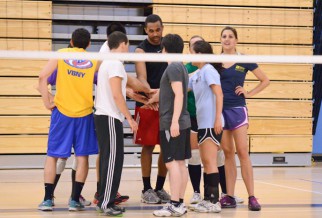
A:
67,132
235,117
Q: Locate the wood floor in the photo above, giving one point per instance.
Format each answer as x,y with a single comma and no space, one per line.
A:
294,192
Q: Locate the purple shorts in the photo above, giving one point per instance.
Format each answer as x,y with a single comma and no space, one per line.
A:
235,117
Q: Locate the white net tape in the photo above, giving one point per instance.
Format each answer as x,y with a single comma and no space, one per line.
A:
299,59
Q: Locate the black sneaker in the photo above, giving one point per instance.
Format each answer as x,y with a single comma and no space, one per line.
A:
121,198
119,208
112,211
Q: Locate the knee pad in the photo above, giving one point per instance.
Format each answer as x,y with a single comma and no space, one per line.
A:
74,166
195,157
61,163
220,158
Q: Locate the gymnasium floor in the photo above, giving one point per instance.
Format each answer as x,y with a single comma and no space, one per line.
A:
283,192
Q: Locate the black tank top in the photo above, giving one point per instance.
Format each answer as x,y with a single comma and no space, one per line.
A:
154,70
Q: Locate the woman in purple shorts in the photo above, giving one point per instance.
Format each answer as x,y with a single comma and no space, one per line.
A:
236,119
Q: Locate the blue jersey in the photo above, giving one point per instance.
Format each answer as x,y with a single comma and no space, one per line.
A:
231,78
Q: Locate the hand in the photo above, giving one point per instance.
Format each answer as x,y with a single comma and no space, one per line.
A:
153,91
239,90
153,106
174,129
50,105
135,96
133,125
218,126
154,99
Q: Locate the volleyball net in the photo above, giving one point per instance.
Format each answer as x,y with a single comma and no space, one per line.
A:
278,35
150,57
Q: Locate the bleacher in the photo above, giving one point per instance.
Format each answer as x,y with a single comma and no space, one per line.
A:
280,116
24,122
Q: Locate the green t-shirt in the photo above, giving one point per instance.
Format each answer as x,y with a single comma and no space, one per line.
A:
191,98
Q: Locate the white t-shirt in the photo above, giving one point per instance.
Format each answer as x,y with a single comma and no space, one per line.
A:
105,48
200,84
104,101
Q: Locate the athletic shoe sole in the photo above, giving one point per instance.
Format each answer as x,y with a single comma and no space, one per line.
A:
45,208
73,209
228,206
254,209
149,202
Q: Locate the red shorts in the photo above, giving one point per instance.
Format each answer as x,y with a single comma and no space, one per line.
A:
149,130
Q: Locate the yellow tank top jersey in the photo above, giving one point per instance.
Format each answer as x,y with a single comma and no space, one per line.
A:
74,86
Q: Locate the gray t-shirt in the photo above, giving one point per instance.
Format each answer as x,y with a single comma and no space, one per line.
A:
174,72
200,84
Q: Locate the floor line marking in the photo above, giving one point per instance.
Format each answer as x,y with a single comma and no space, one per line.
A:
307,180
289,187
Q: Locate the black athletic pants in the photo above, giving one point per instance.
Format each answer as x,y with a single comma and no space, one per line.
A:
109,133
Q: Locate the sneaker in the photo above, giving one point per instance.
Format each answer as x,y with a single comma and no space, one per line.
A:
117,200
196,198
112,211
120,198
84,201
75,206
150,197
53,201
95,200
253,204
119,208
98,209
170,210
228,202
163,195
208,207
237,199
184,208
46,205
192,207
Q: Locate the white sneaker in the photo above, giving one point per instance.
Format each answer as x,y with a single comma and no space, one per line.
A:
208,207
170,210
196,198
237,199
215,208
192,207
83,201
184,208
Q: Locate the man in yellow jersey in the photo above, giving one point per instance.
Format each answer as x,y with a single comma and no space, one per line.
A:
72,123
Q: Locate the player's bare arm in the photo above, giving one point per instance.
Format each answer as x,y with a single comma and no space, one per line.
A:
140,69
43,85
178,103
116,88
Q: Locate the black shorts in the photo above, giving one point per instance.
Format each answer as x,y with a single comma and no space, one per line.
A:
194,124
204,134
177,148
